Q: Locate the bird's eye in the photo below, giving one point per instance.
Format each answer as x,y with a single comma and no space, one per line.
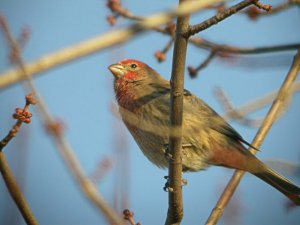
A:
133,66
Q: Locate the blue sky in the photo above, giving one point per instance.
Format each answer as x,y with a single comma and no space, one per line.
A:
81,95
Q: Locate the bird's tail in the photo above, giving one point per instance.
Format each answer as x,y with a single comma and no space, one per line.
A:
282,184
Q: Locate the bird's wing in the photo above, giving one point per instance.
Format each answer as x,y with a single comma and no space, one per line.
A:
212,119
209,117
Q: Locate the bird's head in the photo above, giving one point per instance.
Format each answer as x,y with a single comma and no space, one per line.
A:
131,70
133,81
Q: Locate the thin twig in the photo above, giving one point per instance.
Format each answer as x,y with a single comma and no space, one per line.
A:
264,7
283,6
219,17
199,42
175,210
194,71
22,116
7,174
271,116
128,215
87,186
254,13
104,166
161,55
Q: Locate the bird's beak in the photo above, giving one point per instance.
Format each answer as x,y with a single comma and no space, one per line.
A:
117,70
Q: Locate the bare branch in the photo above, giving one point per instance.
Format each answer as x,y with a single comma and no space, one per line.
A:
161,55
22,116
104,165
283,6
15,192
109,39
259,5
254,13
202,43
128,215
219,17
175,210
271,116
194,71
8,177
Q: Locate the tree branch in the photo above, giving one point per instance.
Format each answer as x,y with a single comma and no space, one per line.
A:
219,17
175,210
110,39
23,116
202,43
271,116
254,13
193,71
15,192
100,42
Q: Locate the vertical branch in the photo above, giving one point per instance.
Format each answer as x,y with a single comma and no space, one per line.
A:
272,115
175,210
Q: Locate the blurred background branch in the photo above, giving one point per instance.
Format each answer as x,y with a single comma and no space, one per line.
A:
240,113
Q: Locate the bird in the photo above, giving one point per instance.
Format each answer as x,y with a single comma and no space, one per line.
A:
143,98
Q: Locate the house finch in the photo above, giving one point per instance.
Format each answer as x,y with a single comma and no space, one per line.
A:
143,97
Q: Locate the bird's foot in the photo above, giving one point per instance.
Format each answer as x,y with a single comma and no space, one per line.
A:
167,153
168,188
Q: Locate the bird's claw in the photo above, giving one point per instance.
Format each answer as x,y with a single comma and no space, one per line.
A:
167,153
168,188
